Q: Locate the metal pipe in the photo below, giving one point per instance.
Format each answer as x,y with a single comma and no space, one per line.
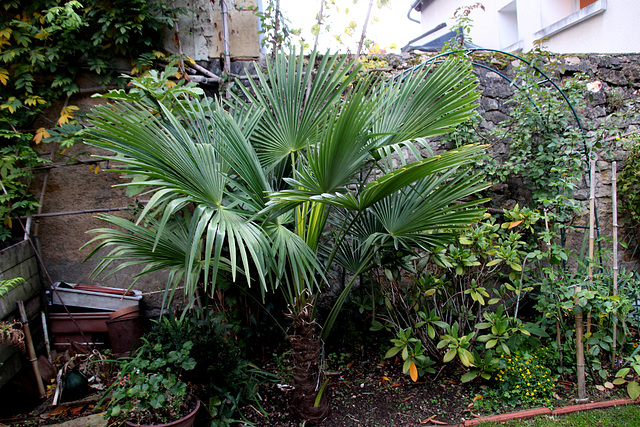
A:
415,3
85,211
45,330
431,31
225,39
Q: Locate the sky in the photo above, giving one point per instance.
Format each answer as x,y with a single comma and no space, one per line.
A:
391,27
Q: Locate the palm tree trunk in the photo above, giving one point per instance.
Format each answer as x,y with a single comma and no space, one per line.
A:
306,375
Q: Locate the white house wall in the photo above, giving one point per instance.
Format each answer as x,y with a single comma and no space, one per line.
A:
612,28
613,31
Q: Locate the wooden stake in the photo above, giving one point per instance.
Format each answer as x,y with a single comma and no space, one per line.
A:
614,199
364,32
32,353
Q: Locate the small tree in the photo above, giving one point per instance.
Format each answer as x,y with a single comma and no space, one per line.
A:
252,190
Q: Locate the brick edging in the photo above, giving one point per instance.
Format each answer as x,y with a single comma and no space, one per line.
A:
530,413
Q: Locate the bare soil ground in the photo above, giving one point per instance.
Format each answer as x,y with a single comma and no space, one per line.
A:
380,395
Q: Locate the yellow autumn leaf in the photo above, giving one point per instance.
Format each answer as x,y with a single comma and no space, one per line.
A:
7,221
66,114
41,133
158,54
9,106
3,42
170,83
413,371
34,100
385,378
514,224
191,61
96,169
4,76
6,32
42,35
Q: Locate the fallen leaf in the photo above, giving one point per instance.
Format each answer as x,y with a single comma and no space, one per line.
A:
76,410
599,387
413,371
608,385
385,378
58,411
439,422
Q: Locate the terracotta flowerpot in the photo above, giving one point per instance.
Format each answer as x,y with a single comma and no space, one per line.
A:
125,328
186,421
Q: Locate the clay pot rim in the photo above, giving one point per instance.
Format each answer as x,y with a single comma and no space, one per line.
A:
169,424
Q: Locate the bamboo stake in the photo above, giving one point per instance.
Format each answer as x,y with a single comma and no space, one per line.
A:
582,391
32,353
614,199
592,236
559,341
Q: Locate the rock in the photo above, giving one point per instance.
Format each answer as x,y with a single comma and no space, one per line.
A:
95,420
613,77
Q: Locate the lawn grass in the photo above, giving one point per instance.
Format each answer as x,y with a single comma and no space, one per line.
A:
617,416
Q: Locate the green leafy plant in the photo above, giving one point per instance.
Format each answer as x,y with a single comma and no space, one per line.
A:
16,160
411,351
149,388
465,307
220,377
629,182
631,376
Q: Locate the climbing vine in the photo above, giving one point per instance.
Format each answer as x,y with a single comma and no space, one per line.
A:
544,151
45,45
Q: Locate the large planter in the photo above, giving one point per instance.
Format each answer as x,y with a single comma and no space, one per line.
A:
186,421
96,297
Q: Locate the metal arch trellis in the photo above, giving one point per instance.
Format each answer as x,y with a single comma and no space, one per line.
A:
588,153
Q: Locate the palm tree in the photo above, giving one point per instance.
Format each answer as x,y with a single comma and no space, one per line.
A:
312,167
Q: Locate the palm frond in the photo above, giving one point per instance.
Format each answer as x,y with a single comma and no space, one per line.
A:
295,115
